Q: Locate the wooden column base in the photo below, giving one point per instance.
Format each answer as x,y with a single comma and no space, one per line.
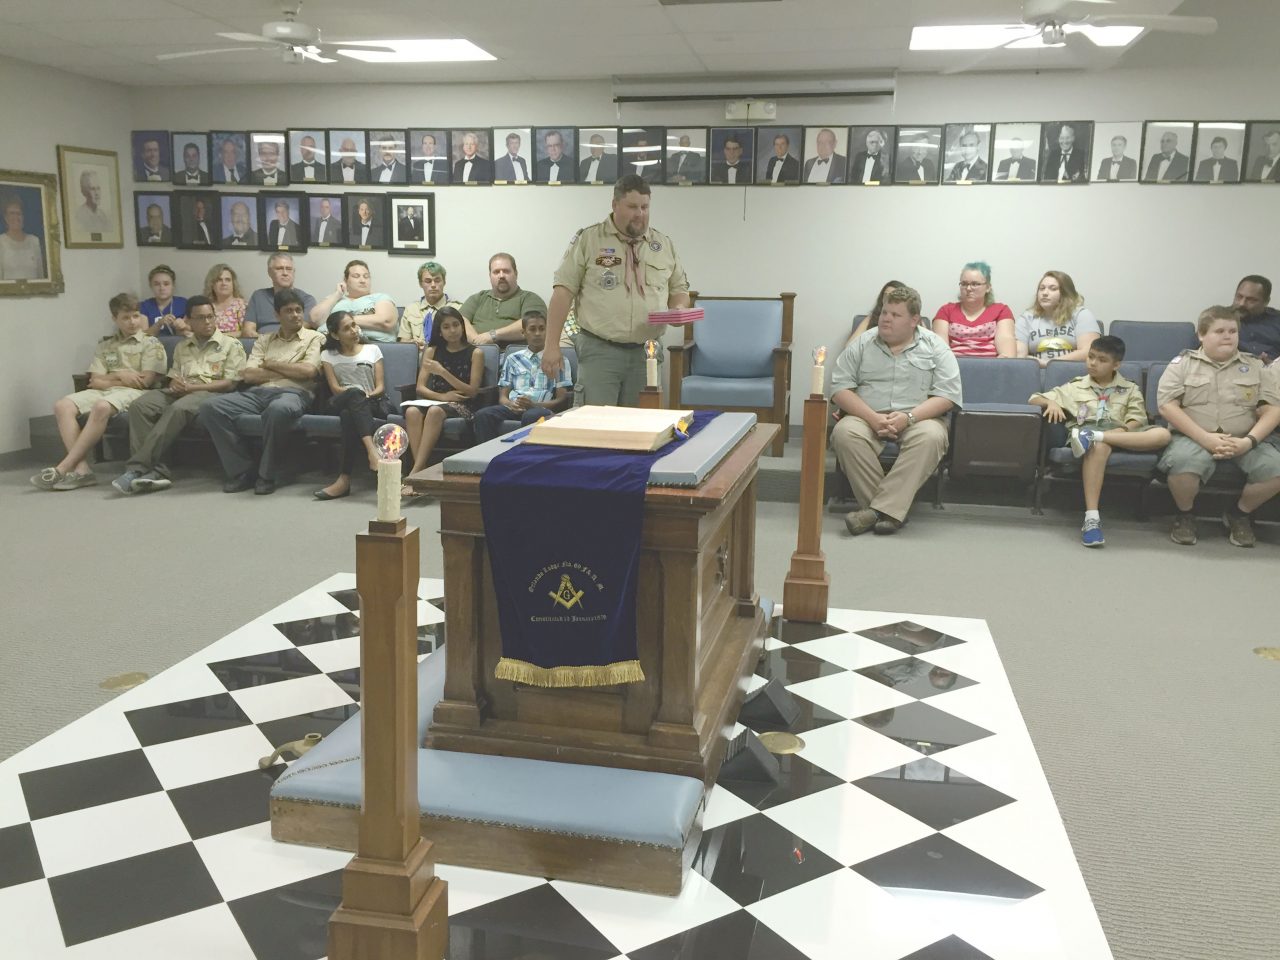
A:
413,922
805,591
651,398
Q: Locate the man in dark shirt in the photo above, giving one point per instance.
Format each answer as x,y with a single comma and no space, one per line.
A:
1259,322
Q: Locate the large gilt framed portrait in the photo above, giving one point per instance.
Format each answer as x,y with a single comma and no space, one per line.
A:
30,246
412,217
90,197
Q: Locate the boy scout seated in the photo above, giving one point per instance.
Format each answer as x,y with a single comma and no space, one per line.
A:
205,364
1106,411
525,393
281,375
123,367
896,382
1221,404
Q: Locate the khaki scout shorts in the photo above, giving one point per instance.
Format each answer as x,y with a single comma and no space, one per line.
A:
118,397
1184,455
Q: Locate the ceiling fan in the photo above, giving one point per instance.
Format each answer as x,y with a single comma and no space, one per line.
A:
1058,23
292,39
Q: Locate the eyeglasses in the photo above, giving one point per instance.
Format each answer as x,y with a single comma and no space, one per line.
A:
973,283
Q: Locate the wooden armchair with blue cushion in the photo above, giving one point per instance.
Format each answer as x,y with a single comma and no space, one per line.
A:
737,358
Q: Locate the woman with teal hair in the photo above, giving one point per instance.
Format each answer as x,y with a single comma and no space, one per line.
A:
976,325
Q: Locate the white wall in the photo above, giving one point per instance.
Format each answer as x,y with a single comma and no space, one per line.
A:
50,338
1141,252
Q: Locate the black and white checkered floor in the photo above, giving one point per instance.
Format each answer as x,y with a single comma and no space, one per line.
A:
914,823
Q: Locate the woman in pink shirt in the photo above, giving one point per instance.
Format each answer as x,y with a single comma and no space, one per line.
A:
977,326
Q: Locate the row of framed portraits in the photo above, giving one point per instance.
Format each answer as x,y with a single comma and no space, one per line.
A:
287,221
1059,152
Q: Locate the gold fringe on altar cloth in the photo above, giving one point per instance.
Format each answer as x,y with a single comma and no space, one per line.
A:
521,671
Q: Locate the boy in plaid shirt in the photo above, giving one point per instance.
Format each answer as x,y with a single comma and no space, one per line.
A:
525,393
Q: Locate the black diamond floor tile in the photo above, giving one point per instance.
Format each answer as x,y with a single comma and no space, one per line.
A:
228,803
132,892
348,680
187,718
799,778
348,598
437,602
535,923
793,631
910,637
923,728
735,936
323,722
933,793
290,922
87,783
916,678
952,948
430,637
809,716
19,858
789,665
263,668
755,857
937,862
334,626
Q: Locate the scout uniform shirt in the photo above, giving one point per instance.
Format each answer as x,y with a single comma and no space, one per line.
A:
304,347
137,352
1219,397
219,358
487,313
416,321
610,303
1119,402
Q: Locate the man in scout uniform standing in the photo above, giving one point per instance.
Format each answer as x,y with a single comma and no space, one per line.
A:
615,273
1221,404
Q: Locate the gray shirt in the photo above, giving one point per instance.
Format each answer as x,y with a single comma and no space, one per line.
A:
262,308
924,368
1039,333
356,370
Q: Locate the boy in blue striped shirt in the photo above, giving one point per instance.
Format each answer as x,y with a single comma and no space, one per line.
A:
525,393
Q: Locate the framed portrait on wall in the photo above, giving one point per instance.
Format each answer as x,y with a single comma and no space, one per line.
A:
155,218
429,156
686,155
266,159
348,161
191,155
199,226
284,218
1065,148
733,151
1117,147
512,161
308,156
239,213
230,157
90,197
597,154
387,157
966,153
472,154
1015,151
1263,157
325,216
779,151
642,153
413,221
1166,151
30,244
152,161
824,163
919,149
1219,150
871,156
366,216
555,151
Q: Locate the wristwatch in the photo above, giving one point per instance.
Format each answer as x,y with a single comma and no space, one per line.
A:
911,419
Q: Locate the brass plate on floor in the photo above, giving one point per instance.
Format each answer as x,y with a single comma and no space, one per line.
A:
124,681
1268,653
780,742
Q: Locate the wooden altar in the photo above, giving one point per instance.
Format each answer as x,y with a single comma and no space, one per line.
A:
699,624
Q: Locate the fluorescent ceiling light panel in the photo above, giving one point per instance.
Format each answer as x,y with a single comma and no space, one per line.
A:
414,51
1019,36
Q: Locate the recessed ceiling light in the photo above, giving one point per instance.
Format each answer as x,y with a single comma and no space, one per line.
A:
414,51
1018,36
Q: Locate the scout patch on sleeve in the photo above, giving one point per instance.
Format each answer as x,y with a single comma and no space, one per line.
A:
655,246
574,238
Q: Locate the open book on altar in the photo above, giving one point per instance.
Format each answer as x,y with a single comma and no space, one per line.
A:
610,428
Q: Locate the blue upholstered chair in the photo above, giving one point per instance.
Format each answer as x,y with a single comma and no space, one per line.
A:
738,358
997,432
1150,340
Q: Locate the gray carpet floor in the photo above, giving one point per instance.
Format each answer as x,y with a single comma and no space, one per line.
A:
1133,665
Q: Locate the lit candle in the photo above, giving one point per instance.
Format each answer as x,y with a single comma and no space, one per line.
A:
651,363
390,441
819,371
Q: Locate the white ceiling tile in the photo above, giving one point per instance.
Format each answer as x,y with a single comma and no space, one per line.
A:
131,32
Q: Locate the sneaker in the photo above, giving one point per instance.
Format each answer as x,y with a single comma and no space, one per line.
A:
74,481
150,482
47,478
124,482
860,521
1184,530
1081,440
1091,534
1239,530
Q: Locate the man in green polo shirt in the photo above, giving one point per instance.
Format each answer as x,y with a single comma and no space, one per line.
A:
493,315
